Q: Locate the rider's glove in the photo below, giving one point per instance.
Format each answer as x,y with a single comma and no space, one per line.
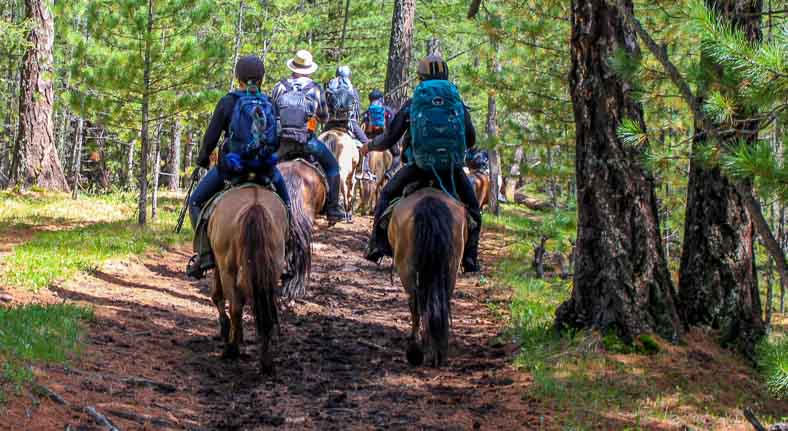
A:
232,163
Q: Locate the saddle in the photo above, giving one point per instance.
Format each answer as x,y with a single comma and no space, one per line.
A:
310,162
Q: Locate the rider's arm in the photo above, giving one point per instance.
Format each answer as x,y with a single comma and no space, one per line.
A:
470,131
399,125
214,131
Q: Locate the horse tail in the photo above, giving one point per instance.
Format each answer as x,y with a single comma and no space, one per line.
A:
434,251
259,267
299,240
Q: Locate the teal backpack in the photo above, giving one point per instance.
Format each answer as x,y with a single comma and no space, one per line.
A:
437,126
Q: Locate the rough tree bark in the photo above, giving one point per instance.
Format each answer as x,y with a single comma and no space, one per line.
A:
35,161
621,279
492,133
718,286
154,203
238,41
142,202
128,170
400,51
175,157
76,156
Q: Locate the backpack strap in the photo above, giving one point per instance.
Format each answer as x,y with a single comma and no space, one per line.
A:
286,83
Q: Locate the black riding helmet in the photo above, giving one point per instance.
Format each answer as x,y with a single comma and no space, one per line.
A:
375,95
250,69
433,67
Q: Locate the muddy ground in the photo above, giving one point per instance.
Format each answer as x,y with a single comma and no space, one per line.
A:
152,361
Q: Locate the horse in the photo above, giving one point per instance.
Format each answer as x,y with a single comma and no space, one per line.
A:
481,184
379,163
348,156
427,233
307,189
248,242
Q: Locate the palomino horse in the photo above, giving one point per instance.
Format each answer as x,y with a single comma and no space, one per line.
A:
427,232
348,156
481,184
248,240
379,163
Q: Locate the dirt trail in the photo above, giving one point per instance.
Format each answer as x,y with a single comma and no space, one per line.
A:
152,361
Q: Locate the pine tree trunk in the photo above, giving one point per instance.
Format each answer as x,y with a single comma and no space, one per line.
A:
187,164
35,157
492,133
142,207
175,157
718,286
76,156
400,51
514,174
129,167
154,204
621,279
434,46
238,42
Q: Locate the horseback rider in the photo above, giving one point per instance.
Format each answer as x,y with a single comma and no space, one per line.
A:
376,121
301,103
478,160
344,105
431,68
247,120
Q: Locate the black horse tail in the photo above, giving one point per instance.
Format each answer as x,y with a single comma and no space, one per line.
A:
259,268
434,251
299,240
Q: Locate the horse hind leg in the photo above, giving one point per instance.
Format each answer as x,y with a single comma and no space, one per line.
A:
232,348
415,353
217,295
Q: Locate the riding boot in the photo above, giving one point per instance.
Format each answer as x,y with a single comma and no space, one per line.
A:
333,211
194,267
393,169
470,257
378,246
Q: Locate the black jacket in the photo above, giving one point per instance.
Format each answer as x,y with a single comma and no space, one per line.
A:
220,122
400,125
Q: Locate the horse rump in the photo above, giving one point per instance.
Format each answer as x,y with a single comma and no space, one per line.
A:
261,277
434,250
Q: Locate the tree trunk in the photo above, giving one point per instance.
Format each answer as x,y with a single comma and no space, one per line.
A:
238,42
718,286
154,203
400,50
514,174
76,156
142,206
187,164
129,168
434,46
35,160
621,279
175,157
492,131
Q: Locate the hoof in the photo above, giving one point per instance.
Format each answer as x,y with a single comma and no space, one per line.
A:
224,330
414,354
231,352
267,365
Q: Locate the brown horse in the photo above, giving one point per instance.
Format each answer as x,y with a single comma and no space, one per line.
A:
348,156
427,232
248,241
481,184
379,163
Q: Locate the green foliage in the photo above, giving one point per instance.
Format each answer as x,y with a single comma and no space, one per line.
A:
773,362
38,334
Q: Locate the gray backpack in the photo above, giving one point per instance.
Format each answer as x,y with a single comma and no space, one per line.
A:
295,108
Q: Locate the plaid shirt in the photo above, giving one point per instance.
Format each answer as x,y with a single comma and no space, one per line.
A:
319,107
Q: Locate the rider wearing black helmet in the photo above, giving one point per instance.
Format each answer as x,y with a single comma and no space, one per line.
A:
376,120
349,120
430,68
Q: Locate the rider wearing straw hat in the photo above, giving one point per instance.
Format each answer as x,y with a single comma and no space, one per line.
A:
301,103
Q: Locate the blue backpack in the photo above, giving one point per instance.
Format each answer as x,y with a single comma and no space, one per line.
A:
437,126
377,116
253,127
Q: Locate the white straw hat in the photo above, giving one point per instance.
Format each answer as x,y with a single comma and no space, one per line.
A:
302,63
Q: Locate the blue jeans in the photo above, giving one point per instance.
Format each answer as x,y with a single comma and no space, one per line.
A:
213,182
315,148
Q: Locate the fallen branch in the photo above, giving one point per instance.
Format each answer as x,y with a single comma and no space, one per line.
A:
373,345
42,390
161,387
142,419
753,420
101,419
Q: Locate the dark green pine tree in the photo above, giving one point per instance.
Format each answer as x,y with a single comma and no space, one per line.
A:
140,63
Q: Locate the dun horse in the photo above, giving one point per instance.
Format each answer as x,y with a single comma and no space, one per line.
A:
379,163
481,185
248,240
427,232
348,157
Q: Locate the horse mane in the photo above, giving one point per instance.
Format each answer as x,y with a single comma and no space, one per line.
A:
434,247
259,267
299,240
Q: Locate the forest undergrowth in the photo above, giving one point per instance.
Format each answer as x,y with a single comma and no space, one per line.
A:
592,380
